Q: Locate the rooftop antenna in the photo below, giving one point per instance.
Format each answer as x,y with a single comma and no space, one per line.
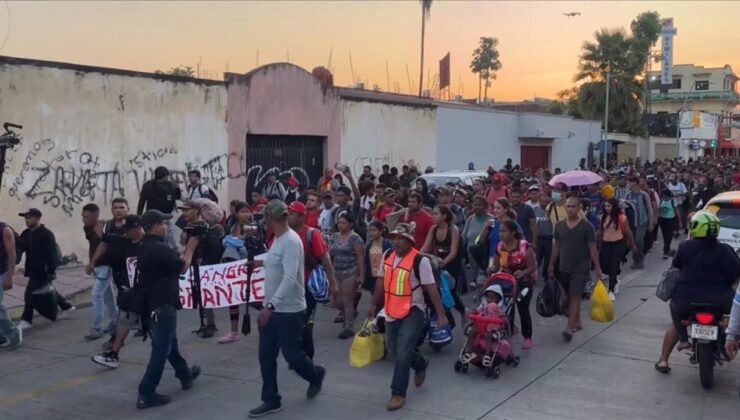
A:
388,75
352,68
408,76
328,62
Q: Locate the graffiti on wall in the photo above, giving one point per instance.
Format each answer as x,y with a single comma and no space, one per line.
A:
377,162
257,176
65,178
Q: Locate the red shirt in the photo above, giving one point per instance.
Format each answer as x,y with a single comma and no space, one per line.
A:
424,221
259,206
318,246
312,218
383,212
492,195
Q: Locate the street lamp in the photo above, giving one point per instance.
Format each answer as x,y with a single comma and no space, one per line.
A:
606,114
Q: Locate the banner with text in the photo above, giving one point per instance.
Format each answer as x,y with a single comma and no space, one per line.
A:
221,285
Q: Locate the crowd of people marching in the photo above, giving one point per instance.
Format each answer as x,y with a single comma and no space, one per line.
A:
371,233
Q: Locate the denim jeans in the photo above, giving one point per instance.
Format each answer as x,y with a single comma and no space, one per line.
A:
163,328
402,336
103,298
283,332
7,329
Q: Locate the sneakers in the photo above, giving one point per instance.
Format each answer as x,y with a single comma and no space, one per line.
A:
194,373
208,331
13,344
346,333
94,334
567,335
396,403
155,401
616,286
230,337
64,314
315,388
108,359
665,256
612,297
24,325
527,344
265,409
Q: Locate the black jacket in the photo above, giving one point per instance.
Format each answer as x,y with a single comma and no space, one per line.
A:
40,247
158,195
159,272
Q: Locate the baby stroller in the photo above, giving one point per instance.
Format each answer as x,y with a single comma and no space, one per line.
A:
501,332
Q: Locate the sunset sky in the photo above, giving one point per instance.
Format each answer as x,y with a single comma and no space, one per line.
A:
539,46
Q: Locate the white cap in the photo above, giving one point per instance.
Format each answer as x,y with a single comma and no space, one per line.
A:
495,288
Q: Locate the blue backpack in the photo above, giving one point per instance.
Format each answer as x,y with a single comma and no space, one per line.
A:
318,280
444,289
438,336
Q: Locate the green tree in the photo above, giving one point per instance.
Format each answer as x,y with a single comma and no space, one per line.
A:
180,71
426,10
485,63
625,57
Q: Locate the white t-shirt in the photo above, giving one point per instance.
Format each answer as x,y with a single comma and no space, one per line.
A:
326,221
679,191
427,278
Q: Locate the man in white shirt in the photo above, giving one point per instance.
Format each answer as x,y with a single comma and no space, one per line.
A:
196,188
680,193
326,219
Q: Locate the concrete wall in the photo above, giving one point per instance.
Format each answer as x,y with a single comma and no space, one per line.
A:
91,135
280,99
379,133
484,137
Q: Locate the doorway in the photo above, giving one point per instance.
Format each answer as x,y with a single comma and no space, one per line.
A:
535,157
284,156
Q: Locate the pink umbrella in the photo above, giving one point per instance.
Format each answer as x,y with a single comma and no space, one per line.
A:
576,178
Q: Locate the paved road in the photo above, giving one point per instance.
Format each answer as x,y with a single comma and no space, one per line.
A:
606,372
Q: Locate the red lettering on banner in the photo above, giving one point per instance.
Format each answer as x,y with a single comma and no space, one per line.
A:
258,293
226,293
207,298
186,297
242,284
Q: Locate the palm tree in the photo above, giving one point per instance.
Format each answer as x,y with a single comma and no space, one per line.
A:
426,9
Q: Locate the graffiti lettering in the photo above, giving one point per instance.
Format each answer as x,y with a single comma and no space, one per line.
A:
47,145
143,158
256,176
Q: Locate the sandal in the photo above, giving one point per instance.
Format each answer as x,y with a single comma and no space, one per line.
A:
662,369
339,319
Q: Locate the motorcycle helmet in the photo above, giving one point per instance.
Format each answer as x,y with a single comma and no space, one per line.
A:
704,224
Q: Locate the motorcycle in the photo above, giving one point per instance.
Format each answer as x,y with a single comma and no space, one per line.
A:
706,329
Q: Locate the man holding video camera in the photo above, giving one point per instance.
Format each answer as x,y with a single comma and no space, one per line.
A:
209,250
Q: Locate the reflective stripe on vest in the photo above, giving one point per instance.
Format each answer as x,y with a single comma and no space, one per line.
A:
397,285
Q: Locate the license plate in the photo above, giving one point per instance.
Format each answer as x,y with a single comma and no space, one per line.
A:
704,332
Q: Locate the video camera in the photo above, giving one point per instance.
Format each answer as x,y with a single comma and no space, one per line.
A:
197,230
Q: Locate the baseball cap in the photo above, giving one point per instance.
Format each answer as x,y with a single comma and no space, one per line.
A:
390,191
533,187
293,181
152,217
497,178
327,194
403,230
32,212
276,208
131,221
298,207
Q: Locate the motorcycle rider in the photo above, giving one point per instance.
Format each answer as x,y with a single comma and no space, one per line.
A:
708,271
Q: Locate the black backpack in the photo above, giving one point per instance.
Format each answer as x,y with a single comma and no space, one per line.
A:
211,195
164,197
133,299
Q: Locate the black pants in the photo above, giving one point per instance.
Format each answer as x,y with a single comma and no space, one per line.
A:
544,253
680,309
34,283
308,346
522,306
667,228
611,256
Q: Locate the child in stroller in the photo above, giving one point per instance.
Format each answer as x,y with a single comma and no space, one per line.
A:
488,335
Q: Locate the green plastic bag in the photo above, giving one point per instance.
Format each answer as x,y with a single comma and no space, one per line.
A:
602,308
368,345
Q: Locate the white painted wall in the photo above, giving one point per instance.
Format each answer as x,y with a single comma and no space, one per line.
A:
483,137
378,133
568,151
91,137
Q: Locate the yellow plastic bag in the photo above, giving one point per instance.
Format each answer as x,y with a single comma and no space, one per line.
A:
602,308
367,346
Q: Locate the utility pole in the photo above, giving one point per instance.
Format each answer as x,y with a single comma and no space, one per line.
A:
609,76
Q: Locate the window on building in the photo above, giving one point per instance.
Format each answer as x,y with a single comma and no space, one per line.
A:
701,85
676,84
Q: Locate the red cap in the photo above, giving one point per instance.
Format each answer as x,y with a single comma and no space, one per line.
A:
298,207
293,181
736,178
497,178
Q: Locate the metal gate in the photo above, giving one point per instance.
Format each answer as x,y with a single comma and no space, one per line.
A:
535,157
284,156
